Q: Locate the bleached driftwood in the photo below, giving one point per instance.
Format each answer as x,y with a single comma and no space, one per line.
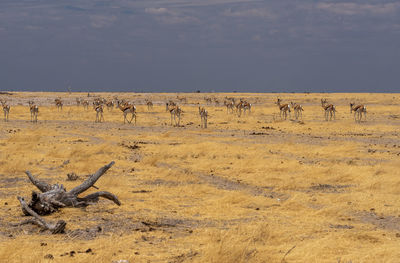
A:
53,197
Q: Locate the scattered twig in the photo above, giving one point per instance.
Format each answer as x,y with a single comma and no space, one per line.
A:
290,250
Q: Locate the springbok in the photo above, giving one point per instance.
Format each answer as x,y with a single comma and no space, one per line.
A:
110,105
170,105
203,115
329,109
298,110
181,99
243,105
99,112
149,105
6,109
59,103
175,113
229,105
128,108
283,108
34,109
358,111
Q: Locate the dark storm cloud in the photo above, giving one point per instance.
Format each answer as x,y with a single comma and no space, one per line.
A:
188,45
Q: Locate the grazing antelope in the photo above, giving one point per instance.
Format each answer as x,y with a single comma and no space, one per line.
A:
203,115
58,103
78,102
128,108
6,109
99,113
283,108
298,110
175,112
358,111
34,111
329,109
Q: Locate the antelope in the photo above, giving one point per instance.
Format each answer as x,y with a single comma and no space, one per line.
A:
115,101
118,102
243,105
329,109
78,102
85,104
34,111
110,105
169,105
181,99
239,108
58,103
207,100
358,111
230,99
149,105
175,112
229,105
127,108
203,115
283,108
99,113
97,102
6,109
246,106
298,110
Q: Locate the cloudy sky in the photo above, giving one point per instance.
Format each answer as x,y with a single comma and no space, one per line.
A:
189,45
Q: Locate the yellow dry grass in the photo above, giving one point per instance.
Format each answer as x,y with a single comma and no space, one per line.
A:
248,189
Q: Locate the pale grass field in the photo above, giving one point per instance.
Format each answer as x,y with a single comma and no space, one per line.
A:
248,189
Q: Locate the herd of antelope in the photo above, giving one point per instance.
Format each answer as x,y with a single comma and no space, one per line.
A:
329,110
232,106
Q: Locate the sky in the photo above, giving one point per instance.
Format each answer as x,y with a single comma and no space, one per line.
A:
200,45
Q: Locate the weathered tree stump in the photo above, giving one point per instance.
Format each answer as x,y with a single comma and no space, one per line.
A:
53,197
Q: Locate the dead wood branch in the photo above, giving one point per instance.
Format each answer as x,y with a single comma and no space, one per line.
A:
91,180
93,198
53,197
37,220
42,186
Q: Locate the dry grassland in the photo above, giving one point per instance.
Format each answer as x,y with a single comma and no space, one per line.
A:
248,189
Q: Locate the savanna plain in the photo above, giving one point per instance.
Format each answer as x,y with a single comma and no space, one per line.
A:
254,188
